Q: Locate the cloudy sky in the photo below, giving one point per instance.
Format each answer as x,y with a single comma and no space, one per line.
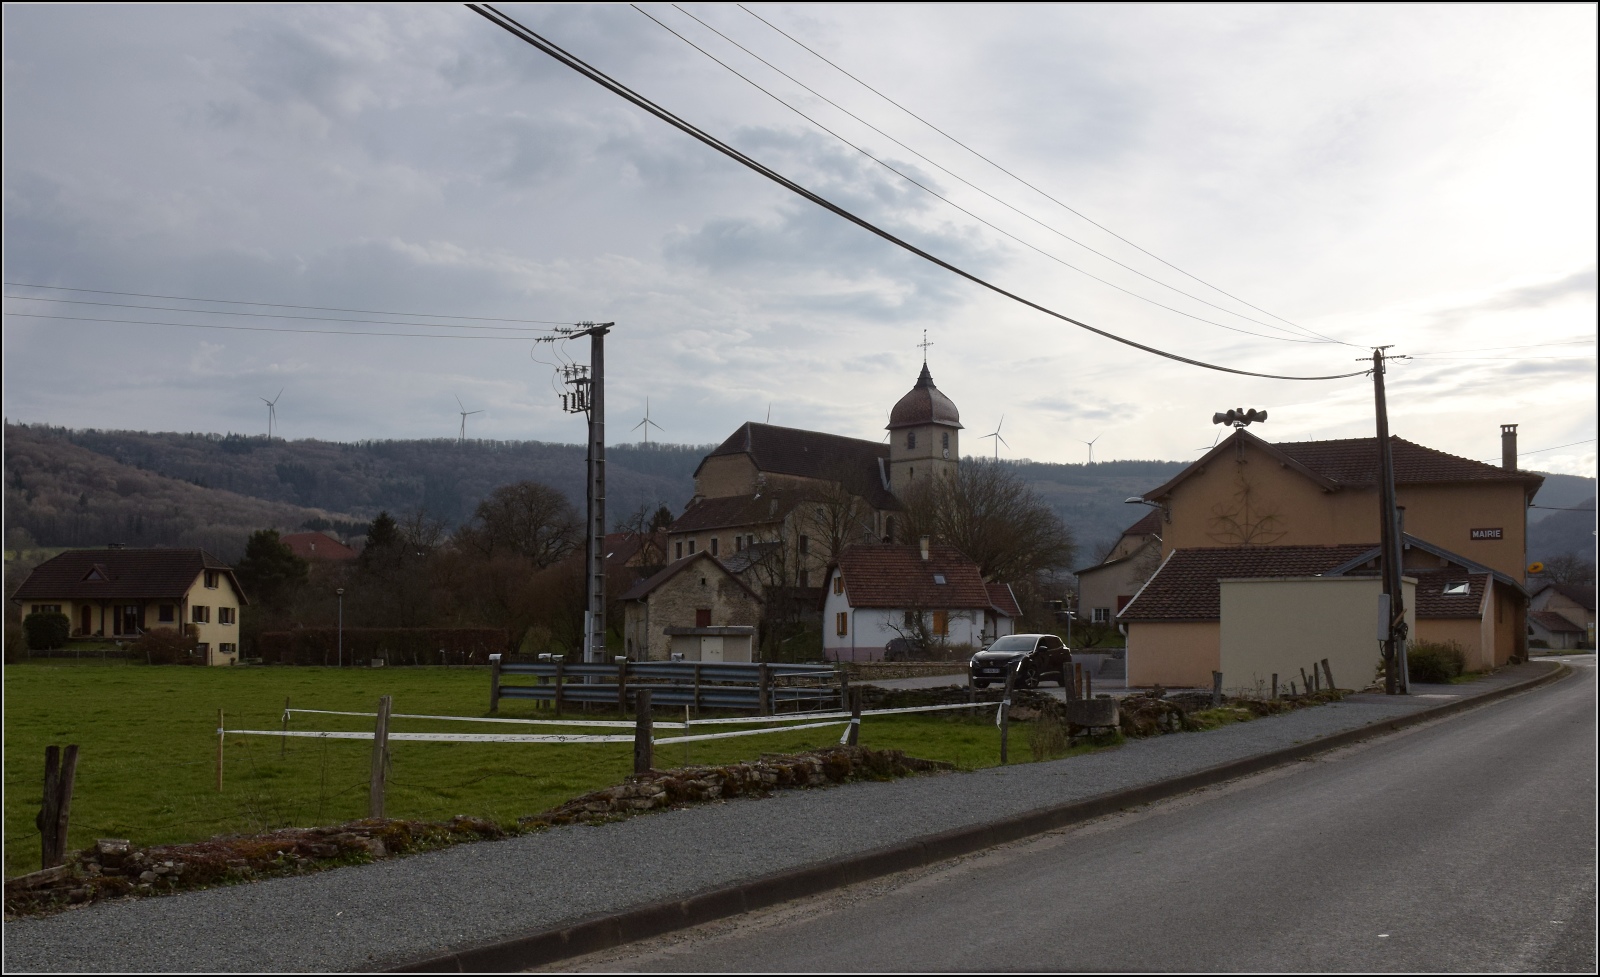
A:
1237,185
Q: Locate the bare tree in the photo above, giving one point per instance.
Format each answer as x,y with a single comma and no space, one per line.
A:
531,520
987,512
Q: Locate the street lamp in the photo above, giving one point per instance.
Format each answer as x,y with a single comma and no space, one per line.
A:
340,592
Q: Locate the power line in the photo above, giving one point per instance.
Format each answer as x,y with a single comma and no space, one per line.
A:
213,325
957,176
278,315
1490,349
1030,186
280,305
527,36
1560,508
1535,451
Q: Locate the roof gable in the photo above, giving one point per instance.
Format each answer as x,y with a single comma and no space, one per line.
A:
644,588
122,574
1353,462
896,577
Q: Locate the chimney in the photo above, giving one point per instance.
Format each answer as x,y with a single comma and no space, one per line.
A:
1508,447
924,547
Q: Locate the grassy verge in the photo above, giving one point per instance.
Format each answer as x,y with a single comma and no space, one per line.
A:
146,770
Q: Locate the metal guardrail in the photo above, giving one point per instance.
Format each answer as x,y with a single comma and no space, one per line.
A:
763,688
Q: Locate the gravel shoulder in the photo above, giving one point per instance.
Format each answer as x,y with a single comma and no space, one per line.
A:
385,914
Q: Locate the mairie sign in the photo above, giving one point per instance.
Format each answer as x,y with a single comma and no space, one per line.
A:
1492,533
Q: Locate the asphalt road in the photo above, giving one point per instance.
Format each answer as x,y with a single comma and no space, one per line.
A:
1466,844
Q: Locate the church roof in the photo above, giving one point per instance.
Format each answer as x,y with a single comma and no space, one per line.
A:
854,463
924,404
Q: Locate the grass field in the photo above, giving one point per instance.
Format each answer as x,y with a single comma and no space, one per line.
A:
146,768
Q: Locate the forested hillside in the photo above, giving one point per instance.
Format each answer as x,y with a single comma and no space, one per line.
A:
90,487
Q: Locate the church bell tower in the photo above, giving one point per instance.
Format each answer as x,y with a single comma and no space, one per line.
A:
924,436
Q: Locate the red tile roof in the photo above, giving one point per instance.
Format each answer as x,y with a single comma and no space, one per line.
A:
1149,524
644,588
1433,602
852,462
1551,621
890,576
732,511
1003,600
317,546
142,574
1186,587
1353,462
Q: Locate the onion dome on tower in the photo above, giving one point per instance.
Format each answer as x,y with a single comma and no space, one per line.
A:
924,435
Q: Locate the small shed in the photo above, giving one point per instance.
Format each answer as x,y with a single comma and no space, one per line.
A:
694,594
731,643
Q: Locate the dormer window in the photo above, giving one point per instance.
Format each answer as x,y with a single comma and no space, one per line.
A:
1457,588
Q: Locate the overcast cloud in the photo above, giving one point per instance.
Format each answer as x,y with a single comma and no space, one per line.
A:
1417,176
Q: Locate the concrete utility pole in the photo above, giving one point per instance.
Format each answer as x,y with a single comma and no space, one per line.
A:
1392,602
589,396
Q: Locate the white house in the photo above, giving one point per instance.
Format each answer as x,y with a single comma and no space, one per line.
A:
873,594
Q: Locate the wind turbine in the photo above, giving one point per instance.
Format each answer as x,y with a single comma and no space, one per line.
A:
1097,437
998,440
464,415
647,423
272,411
1213,443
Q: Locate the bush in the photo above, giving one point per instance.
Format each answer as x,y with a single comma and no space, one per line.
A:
46,631
1433,661
169,646
1538,643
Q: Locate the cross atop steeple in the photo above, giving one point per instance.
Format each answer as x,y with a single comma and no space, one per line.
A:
924,344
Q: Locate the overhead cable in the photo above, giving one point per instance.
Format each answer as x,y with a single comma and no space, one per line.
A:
280,305
279,315
1030,186
528,36
957,176
214,325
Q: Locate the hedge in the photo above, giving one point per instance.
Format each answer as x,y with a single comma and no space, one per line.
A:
394,646
46,631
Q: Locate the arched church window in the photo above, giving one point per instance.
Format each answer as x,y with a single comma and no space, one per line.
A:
911,439
945,437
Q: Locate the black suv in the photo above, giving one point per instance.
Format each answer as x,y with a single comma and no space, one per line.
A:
1035,656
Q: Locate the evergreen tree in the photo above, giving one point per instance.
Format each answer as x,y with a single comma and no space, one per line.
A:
270,572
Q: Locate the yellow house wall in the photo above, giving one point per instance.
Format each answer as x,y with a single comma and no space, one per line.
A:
726,475
1472,634
1173,654
1285,508
214,634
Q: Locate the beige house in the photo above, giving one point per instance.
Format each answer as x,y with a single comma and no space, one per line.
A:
1249,508
1104,589
122,593
695,597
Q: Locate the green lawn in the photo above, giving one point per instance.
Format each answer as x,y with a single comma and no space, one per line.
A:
146,768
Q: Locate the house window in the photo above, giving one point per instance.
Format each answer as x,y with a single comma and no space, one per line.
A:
702,617
228,649
805,545
841,623
805,578
910,620
47,608
211,580
202,614
678,550
838,585
738,544
888,529
203,650
938,578
714,546
167,614
1102,615
1456,588
941,623
226,615
691,547
911,439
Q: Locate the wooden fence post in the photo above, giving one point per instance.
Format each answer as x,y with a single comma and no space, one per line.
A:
494,683
1216,689
1329,673
380,758
844,686
763,691
1088,685
56,807
622,686
1274,685
560,668
697,688
220,728
643,734
1305,683
854,733
1005,714
283,742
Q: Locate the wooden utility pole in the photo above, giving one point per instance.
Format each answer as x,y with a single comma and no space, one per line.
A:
55,812
380,758
644,747
1392,604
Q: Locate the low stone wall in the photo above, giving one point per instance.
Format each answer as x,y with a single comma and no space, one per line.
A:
871,671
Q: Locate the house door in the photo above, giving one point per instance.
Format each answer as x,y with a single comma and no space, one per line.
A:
711,649
128,619
87,620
